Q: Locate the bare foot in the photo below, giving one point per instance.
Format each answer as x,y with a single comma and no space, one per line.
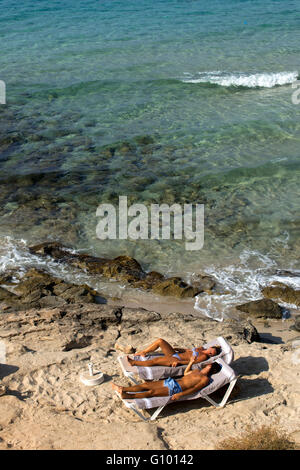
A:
131,361
116,387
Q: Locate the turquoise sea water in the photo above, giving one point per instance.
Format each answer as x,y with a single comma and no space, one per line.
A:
184,101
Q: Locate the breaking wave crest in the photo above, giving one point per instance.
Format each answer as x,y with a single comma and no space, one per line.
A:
256,80
242,283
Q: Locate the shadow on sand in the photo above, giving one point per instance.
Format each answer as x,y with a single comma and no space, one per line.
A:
6,370
250,365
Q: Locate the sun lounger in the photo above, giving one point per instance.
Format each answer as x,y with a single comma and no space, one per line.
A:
222,378
163,372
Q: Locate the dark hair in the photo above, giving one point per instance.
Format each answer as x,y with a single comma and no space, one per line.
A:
218,350
215,368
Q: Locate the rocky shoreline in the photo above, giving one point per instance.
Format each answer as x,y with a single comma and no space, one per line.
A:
52,328
38,288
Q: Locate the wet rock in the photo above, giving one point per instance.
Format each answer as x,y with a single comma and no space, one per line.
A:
261,308
154,277
175,286
284,272
9,277
282,292
204,282
54,249
123,268
149,280
7,296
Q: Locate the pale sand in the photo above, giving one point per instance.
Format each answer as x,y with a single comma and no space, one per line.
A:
46,406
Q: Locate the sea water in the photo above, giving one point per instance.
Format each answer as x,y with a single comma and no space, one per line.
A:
162,101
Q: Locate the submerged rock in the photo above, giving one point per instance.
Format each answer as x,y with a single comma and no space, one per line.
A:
261,308
9,277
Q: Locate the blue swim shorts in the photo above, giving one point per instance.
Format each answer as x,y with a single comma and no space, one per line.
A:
172,385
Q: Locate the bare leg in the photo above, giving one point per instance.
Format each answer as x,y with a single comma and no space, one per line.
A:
148,394
157,390
157,361
166,348
145,390
133,388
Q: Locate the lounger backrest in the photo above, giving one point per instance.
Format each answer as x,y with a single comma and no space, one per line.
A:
226,353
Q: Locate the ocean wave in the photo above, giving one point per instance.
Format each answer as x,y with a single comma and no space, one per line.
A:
15,256
256,80
244,281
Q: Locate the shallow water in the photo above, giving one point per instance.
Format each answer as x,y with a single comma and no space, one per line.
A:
164,101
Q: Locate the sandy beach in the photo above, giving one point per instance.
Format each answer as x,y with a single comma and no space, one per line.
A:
47,349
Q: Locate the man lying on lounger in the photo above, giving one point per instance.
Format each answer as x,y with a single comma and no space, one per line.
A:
173,357
190,383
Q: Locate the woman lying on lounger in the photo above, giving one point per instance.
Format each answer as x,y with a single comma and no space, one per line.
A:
192,382
173,357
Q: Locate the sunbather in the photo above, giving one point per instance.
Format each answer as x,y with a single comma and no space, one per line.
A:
173,357
188,385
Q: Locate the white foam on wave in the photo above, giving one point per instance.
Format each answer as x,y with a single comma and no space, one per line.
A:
15,255
262,80
243,283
